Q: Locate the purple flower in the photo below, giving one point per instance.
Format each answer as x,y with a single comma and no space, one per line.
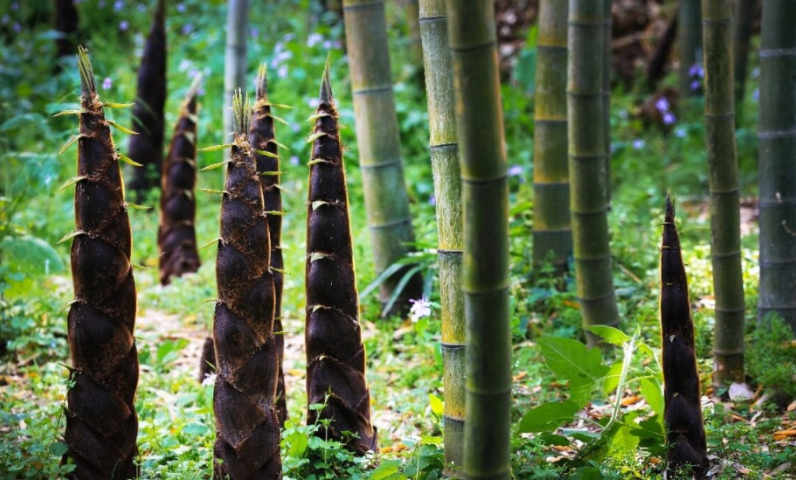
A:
515,170
420,308
695,85
294,160
314,39
432,200
185,64
107,83
756,94
254,32
15,6
662,104
187,28
313,102
282,72
17,27
638,144
141,7
669,118
4,20
696,70
679,132
118,5
181,7
192,72
124,25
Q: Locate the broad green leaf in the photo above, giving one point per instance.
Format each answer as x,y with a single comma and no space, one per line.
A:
548,417
436,405
612,377
298,442
653,394
571,360
553,439
609,334
387,470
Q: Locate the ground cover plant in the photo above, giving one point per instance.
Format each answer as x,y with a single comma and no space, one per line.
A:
606,424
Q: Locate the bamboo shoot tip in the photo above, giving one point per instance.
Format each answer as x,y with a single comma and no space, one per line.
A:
326,86
262,82
86,72
669,208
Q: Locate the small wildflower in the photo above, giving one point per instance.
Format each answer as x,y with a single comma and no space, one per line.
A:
756,95
107,83
695,85
314,39
118,5
662,104
181,7
209,380
17,27
185,64
420,308
187,28
313,102
696,70
515,170
432,200
254,32
4,20
124,25
679,132
294,160
192,72
669,118
638,144
755,72
141,8
15,6
282,72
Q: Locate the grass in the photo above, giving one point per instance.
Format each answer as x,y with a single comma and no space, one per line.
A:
404,363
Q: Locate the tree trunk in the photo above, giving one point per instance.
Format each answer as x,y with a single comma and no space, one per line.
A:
263,137
177,233
725,218
333,338
685,435
146,148
689,31
479,119
101,422
777,137
742,31
248,436
552,231
595,285
444,148
386,200
607,67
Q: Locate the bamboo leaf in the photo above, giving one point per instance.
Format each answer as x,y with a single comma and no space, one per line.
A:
117,105
400,288
215,148
137,207
278,119
280,145
210,243
265,153
318,203
70,236
318,256
271,173
214,166
387,273
316,161
278,105
129,161
121,128
315,136
75,111
274,269
278,213
69,142
213,191
72,181
318,115
69,304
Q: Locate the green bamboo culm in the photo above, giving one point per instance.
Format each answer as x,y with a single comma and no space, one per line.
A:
444,150
386,200
234,59
742,30
689,46
607,66
725,215
589,206
777,170
552,232
479,120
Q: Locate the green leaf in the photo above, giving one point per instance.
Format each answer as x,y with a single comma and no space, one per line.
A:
653,393
548,417
612,377
121,128
72,181
58,448
117,105
214,166
129,161
553,439
437,407
609,334
298,442
571,360
215,147
265,153
387,471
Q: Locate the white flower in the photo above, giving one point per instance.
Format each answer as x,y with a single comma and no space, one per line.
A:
420,308
209,380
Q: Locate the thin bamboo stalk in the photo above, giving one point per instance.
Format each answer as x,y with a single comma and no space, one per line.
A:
552,231
386,200
479,119
66,23
589,208
444,149
685,434
742,31
234,58
607,67
777,142
725,218
332,334
689,41
262,136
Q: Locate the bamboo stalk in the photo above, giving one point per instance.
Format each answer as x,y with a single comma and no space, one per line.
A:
177,232
725,218
607,67
146,148
332,334
552,231
262,137
742,30
689,41
101,422
386,201
234,58
685,434
66,24
444,149
247,425
777,143
589,208
479,119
